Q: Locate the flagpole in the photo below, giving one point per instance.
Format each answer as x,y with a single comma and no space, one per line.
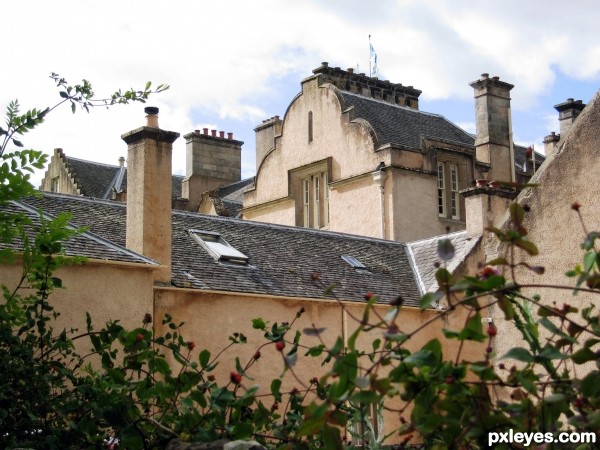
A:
369,56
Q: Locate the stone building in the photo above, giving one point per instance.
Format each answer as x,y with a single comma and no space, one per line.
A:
352,146
347,146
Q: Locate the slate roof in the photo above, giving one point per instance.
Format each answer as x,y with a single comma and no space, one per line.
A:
229,199
283,261
97,179
425,255
404,126
85,244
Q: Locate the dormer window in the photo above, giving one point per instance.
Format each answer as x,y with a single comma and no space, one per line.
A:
218,247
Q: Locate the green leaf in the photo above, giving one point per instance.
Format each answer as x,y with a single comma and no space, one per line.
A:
204,358
365,397
583,355
528,246
431,298
275,389
259,324
331,438
520,354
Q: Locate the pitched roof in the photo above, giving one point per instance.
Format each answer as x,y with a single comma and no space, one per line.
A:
425,256
283,261
87,244
98,180
404,126
229,199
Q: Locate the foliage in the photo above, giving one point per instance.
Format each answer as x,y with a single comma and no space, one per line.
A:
139,389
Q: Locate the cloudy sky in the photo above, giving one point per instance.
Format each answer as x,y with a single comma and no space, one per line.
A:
231,64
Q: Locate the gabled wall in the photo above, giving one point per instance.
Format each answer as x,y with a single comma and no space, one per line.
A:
57,178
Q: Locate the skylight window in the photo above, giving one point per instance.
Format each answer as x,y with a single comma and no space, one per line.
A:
218,247
354,262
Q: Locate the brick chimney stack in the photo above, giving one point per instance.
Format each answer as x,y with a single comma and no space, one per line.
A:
212,160
149,193
493,143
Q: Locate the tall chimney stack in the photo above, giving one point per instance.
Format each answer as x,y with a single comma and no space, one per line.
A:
149,186
493,143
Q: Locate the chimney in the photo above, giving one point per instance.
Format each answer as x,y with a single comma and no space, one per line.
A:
149,194
211,161
550,143
567,113
121,161
265,137
493,144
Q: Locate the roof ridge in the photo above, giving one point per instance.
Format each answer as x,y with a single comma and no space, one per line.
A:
393,105
439,236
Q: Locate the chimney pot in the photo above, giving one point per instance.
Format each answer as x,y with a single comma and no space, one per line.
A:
222,134
325,64
570,100
121,161
350,70
213,133
151,116
197,131
205,130
485,76
496,78
230,136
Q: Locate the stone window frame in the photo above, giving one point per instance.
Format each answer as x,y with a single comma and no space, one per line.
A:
306,183
451,178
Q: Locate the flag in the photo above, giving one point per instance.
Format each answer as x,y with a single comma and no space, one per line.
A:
373,61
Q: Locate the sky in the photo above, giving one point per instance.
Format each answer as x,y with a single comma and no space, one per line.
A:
231,64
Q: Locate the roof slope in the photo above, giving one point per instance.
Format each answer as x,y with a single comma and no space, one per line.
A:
283,261
425,255
97,179
86,244
402,125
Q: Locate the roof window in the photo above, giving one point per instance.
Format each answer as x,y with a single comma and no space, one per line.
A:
218,247
354,262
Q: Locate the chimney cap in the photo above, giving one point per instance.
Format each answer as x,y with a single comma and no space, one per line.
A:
151,110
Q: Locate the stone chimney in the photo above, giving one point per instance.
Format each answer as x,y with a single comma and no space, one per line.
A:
211,161
265,137
149,194
550,143
567,113
493,144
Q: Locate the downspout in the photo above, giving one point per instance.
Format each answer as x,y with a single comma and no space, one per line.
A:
379,177
511,148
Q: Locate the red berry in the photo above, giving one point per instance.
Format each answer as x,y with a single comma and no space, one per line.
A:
280,345
190,345
257,355
492,330
275,406
449,379
368,296
235,377
489,349
139,337
211,378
